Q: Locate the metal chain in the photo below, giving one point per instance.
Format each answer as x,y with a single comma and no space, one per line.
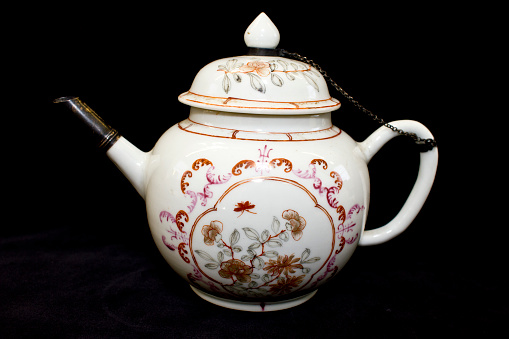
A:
427,144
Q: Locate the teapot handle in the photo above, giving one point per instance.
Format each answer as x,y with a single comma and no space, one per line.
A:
422,186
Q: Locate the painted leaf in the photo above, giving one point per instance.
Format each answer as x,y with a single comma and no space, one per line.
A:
254,276
283,64
305,254
205,255
284,236
254,245
237,249
234,237
251,233
258,263
256,82
265,235
226,83
265,278
211,265
275,225
220,256
276,80
271,254
315,73
230,64
310,261
310,81
252,284
274,243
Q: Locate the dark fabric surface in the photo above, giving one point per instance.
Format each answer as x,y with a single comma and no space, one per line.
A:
76,256
65,282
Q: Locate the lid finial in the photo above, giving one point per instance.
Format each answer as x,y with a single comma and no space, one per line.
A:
262,33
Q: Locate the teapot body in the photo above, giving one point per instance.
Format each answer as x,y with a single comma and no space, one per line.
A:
254,209
260,203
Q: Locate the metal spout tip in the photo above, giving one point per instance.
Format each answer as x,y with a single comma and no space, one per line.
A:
64,99
105,135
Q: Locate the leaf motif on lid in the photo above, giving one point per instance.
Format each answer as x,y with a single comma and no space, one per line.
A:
257,70
257,83
311,81
276,80
226,83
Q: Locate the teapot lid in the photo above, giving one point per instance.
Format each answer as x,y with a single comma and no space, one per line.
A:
261,82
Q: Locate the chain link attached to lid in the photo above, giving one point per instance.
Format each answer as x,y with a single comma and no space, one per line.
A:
424,144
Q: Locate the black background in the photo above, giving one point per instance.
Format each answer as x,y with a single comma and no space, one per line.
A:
76,255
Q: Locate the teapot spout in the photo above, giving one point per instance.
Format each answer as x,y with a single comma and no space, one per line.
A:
105,135
128,158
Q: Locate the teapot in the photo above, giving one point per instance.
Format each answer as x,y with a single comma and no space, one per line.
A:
257,199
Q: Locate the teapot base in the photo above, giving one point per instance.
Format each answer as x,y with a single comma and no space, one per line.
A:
254,306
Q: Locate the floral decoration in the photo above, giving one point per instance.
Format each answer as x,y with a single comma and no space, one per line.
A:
212,232
285,284
255,261
236,269
260,67
257,69
260,270
283,264
295,223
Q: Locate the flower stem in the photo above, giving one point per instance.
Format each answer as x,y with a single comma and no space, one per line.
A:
231,250
272,236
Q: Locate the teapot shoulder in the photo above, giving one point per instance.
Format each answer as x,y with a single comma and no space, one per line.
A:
187,138
190,131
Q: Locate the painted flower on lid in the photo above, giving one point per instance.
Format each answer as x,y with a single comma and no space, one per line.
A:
235,268
261,68
295,223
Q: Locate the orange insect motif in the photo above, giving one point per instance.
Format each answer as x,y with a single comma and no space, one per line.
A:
244,207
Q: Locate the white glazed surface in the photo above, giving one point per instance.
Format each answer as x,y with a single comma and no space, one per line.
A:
262,208
262,33
319,176
262,85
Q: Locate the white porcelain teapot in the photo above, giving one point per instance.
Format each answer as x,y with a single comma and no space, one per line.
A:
257,199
